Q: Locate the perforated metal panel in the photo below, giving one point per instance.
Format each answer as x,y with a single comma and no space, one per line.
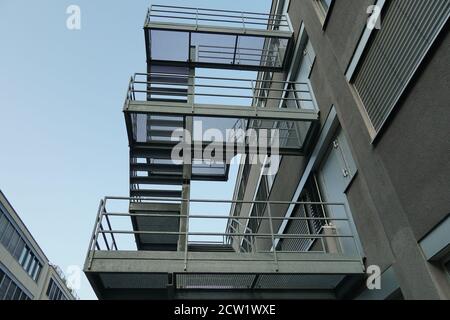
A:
297,227
134,280
408,29
297,281
215,281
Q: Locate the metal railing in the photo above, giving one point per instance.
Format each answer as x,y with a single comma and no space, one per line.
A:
216,17
267,240
241,55
216,90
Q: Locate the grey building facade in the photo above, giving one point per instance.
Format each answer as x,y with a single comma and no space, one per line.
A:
362,182
383,146
25,272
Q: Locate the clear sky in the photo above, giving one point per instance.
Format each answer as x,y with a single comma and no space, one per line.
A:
63,144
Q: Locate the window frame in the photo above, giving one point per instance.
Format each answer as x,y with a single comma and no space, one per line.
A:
12,233
363,46
322,12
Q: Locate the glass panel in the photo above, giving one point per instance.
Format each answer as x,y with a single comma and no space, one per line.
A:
3,223
52,292
37,272
27,260
10,290
17,294
31,267
13,242
7,235
50,284
218,48
23,255
169,45
4,286
214,48
19,250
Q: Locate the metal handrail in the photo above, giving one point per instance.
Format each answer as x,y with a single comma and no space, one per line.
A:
180,13
272,235
178,86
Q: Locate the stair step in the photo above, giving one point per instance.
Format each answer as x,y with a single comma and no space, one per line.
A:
158,179
153,153
156,193
210,248
182,79
161,133
156,167
176,123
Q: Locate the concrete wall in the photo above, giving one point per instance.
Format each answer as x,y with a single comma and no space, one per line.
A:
401,190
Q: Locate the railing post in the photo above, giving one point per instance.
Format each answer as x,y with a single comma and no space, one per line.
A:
275,258
243,21
186,241
132,89
149,13
254,100
196,19
95,231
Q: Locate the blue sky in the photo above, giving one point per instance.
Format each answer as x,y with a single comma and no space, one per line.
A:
62,132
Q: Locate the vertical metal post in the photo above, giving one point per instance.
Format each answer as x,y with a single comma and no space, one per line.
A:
243,21
275,258
133,92
196,19
183,241
254,100
186,241
94,237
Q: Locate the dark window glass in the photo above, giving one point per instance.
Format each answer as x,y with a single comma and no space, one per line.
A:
13,242
37,271
4,289
50,285
23,255
17,294
7,235
19,249
3,223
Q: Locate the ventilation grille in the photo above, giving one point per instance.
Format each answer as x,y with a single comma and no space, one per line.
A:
407,31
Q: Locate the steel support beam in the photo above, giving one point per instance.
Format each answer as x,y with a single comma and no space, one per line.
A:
220,111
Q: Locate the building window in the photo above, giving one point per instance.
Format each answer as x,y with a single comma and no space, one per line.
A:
15,244
54,292
323,7
9,290
408,30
